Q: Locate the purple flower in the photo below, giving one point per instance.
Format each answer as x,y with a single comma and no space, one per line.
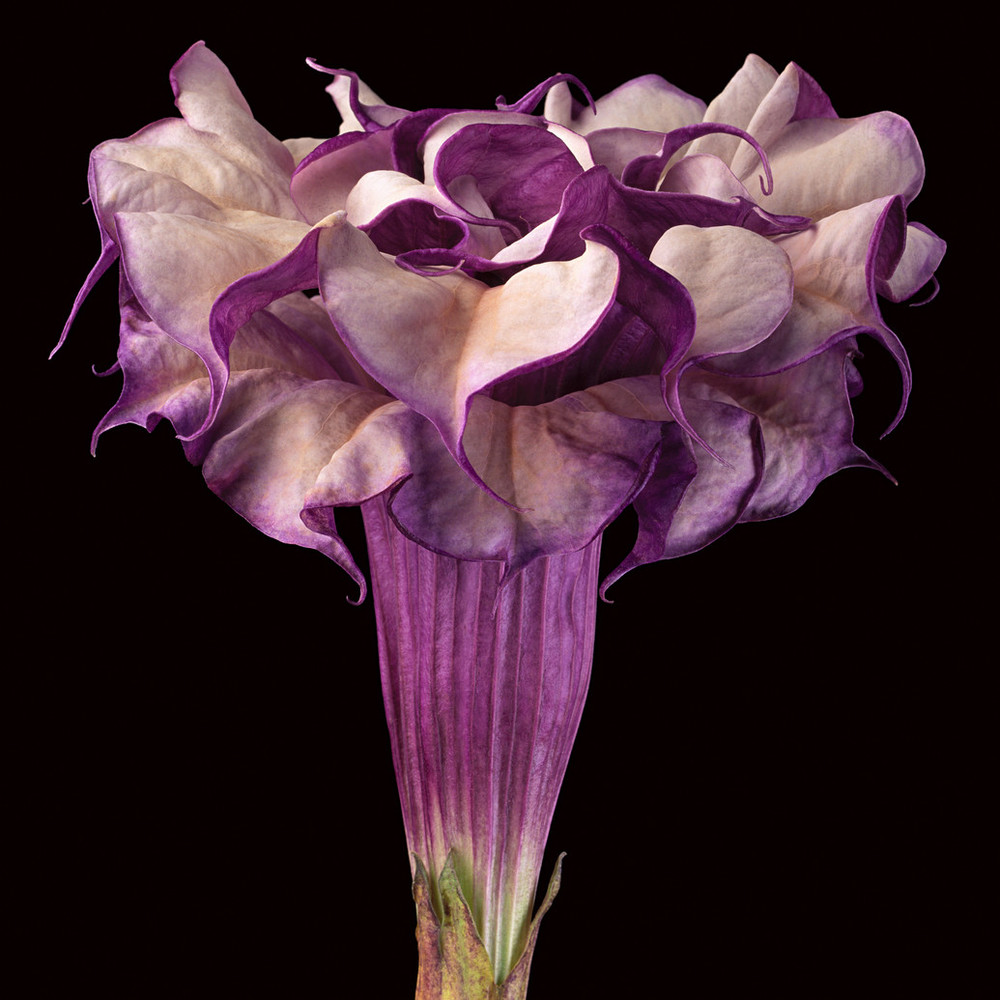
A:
494,330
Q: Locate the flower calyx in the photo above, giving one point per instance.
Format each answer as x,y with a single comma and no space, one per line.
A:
454,964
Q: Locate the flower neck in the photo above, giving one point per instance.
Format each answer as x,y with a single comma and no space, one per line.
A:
484,687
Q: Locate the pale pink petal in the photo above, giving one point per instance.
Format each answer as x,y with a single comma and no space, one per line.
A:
792,96
616,148
218,153
178,265
648,103
378,192
736,105
807,426
311,324
839,263
380,453
741,284
826,165
434,342
292,334
693,496
724,485
301,148
324,179
273,435
602,459
360,107
708,177
921,257
155,368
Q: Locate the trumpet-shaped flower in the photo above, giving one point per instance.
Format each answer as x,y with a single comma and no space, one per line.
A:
494,330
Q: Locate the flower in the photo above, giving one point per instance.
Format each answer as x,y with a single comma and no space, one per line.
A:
575,311
497,329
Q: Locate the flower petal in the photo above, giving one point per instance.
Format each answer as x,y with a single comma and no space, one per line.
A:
616,148
720,491
647,102
838,263
218,155
323,180
709,177
693,497
648,327
401,213
806,422
435,342
920,259
741,284
292,335
569,466
520,171
824,165
446,127
274,434
359,106
736,105
793,96
155,368
178,265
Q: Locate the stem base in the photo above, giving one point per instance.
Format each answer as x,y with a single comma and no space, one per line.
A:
454,964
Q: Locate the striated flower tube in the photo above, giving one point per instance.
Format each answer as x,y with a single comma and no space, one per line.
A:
484,688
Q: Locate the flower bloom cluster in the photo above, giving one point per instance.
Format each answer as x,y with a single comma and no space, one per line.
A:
513,322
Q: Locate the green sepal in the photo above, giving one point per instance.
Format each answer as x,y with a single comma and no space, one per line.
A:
454,964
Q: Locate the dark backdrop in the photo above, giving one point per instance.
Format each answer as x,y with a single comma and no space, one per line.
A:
776,785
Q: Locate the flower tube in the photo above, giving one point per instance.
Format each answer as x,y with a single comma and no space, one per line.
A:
494,330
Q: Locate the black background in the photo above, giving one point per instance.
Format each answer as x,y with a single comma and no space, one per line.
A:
778,781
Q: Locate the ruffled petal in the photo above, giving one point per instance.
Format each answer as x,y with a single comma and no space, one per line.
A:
717,494
838,263
217,156
519,171
616,148
434,342
178,265
649,326
741,284
602,459
447,126
360,107
920,259
301,148
793,96
401,214
271,286
109,254
826,165
529,102
323,181
155,367
293,335
806,422
311,325
736,105
709,177
274,434
693,496
648,103
723,485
